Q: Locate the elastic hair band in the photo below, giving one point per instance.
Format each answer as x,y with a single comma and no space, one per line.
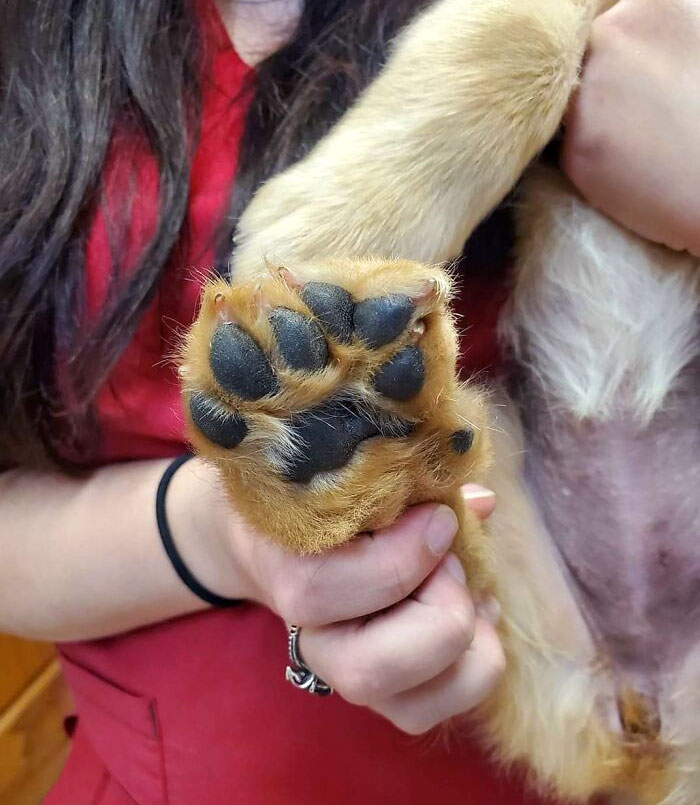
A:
166,538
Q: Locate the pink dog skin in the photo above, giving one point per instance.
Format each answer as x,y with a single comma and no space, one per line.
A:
621,501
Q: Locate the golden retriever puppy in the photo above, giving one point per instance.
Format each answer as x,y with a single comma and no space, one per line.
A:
323,385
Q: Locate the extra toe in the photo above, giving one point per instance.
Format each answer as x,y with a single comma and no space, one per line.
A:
239,365
376,321
403,376
379,320
299,339
332,306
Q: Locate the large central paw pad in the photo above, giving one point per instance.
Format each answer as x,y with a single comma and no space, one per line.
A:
299,381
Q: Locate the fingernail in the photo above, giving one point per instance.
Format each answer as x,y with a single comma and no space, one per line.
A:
441,530
489,609
476,492
455,569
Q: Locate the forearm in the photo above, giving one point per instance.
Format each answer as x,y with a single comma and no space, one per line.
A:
81,558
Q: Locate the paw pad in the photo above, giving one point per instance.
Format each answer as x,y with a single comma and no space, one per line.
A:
299,340
462,440
332,306
403,376
330,435
380,320
239,365
222,427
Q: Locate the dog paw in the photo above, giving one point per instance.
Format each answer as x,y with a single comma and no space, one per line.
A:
328,397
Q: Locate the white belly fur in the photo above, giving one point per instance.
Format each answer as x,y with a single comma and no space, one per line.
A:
606,324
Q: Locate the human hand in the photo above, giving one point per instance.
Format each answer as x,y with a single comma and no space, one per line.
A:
631,134
387,619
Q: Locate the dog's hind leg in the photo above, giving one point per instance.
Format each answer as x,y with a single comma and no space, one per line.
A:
472,92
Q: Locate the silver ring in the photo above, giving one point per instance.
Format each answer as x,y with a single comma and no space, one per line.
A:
298,673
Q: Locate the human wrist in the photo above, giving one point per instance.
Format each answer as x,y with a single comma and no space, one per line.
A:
202,523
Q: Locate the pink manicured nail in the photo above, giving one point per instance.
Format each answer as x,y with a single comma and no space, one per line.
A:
441,529
476,492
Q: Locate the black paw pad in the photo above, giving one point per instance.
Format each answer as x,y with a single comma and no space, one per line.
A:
299,340
403,376
380,320
223,428
239,365
330,435
462,440
332,306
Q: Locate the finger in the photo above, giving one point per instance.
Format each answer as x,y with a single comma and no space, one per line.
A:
439,590
369,574
488,608
399,649
479,499
457,690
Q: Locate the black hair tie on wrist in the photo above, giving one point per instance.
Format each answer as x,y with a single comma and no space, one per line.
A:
166,538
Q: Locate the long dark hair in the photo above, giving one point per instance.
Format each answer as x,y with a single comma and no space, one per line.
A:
72,72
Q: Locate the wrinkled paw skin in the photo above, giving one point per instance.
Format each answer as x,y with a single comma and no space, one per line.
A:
328,398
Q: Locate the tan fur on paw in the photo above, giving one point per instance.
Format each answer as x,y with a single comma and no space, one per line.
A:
328,398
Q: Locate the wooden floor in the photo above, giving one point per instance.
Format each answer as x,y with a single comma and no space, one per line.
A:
34,702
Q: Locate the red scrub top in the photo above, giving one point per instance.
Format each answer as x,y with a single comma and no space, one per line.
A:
196,711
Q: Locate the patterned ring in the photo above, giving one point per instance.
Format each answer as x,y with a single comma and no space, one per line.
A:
298,673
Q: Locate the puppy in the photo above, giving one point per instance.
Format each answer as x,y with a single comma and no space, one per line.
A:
322,383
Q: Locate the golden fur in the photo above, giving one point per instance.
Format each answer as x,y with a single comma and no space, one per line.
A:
328,512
